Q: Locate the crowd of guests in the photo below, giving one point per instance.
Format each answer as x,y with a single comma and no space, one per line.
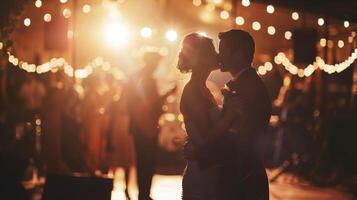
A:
61,125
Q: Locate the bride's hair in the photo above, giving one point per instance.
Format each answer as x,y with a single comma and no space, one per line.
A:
194,51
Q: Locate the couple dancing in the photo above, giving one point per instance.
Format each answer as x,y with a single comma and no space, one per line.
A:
224,142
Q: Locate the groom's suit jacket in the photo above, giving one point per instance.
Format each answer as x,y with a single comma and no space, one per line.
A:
238,150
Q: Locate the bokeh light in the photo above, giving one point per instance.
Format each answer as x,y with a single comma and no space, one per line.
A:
346,24
197,2
224,14
341,44
288,35
38,3
323,42
67,13
271,30
245,3
117,34
270,9
171,35
320,21
86,8
63,1
256,26
47,17
295,16
146,32
239,20
27,21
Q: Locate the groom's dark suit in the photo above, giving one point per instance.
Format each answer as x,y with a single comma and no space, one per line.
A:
244,174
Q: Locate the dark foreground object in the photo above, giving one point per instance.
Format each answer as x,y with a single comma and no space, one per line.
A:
77,188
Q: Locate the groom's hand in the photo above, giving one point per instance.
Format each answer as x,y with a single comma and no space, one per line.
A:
188,151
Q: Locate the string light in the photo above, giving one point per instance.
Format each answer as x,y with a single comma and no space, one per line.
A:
171,35
86,8
27,21
270,9
280,58
197,3
47,17
66,13
38,3
295,16
1,45
288,35
245,3
346,24
340,44
323,42
146,32
239,20
262,70
320,21
256,26
224,14
268,66
271,30
63,1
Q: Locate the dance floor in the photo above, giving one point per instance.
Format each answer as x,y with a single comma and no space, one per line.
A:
285,188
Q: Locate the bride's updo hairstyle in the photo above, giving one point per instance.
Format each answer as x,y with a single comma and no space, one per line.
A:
196,51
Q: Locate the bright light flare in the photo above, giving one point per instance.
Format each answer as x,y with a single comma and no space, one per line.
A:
116,34
171,35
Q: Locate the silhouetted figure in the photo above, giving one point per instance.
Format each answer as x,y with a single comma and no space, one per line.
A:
145,108
238,149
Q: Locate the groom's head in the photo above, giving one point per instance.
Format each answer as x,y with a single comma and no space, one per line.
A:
236,50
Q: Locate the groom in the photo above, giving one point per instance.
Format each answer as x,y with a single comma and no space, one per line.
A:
238,149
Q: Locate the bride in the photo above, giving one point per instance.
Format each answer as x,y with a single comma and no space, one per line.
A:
202,117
